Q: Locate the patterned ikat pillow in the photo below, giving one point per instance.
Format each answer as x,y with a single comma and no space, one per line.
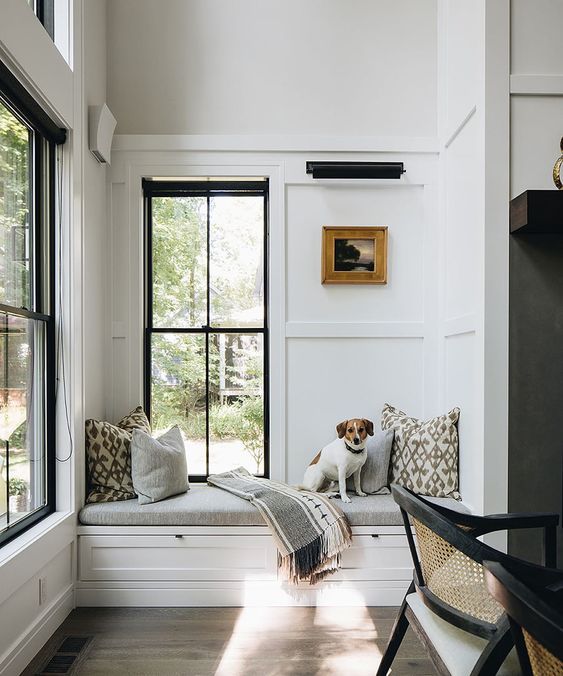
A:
425,452
108,455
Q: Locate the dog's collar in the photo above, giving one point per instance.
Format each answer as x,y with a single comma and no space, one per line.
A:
353,450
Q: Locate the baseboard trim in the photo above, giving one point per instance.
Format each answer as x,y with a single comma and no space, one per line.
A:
247,594
24,649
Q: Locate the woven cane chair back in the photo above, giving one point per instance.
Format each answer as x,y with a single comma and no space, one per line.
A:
543,662
454,577
535,610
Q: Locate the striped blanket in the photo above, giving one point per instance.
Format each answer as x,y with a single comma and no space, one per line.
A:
310,532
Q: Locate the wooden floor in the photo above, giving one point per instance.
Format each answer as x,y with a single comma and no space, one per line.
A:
234,642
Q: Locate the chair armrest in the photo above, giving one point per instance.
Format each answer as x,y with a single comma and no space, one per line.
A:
546,520
481,525
495,522
543,580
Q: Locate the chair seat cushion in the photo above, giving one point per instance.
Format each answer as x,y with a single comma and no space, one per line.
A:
209,506
458,649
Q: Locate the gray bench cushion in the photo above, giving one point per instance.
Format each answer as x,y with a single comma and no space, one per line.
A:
209,506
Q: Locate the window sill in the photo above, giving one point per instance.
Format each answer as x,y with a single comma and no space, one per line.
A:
58,521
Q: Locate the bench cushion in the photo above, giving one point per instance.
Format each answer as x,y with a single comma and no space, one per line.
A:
210,506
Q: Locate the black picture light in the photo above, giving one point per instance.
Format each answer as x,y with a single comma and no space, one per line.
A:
355,169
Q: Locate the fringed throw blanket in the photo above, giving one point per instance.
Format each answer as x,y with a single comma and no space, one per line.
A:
310,532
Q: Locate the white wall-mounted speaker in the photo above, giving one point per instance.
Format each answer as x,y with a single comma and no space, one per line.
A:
101,125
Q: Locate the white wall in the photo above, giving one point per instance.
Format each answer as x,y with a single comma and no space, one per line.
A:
473,124
333,372
536,104
95,217
461,133
272,67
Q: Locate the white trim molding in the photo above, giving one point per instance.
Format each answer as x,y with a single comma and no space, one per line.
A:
536,85
286,143
457,326
19,654
354,330
460,127
127,272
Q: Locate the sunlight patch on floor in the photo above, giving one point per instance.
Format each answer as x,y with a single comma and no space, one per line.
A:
329,640
357,662
348,618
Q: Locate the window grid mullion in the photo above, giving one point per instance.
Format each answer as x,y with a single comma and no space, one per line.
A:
209,329
208,322
148,305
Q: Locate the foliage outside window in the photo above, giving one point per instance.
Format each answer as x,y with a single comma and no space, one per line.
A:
206,344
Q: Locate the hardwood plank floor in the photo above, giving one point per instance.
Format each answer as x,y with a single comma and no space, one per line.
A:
234,642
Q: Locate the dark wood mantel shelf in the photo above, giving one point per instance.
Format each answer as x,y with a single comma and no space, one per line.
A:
537,212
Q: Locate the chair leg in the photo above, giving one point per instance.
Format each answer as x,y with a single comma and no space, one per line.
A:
397,635
495,653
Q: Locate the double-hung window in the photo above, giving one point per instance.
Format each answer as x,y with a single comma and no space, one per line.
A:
206,337
27,325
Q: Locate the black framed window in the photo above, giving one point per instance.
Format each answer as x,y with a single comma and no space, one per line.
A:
45,11
206,317
28,141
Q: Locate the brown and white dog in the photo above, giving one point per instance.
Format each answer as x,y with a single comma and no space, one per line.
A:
343,457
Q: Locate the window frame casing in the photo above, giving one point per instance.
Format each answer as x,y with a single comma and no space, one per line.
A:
45,135
44,10
205,188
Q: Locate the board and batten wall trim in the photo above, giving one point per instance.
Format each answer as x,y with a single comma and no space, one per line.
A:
536,85
354,330
286,171
473,129
277,143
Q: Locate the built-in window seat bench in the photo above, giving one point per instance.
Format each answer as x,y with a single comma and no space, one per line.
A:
210,548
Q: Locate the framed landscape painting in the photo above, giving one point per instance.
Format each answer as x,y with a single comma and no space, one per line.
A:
354,255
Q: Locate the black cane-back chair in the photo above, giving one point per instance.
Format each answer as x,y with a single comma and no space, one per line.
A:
534,605
448,606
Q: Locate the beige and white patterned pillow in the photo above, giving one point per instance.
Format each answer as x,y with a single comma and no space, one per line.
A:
425,452
108,455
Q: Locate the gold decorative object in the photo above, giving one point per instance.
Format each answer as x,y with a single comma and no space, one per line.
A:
557,170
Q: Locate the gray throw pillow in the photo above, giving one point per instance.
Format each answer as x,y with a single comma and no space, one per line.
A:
158,466
376,468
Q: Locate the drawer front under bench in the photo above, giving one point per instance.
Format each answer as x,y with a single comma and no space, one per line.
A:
376,557
170,557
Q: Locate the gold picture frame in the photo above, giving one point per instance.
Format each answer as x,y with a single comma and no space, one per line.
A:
354,254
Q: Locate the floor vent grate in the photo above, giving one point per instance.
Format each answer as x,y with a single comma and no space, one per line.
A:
66,656
73,644
59,664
